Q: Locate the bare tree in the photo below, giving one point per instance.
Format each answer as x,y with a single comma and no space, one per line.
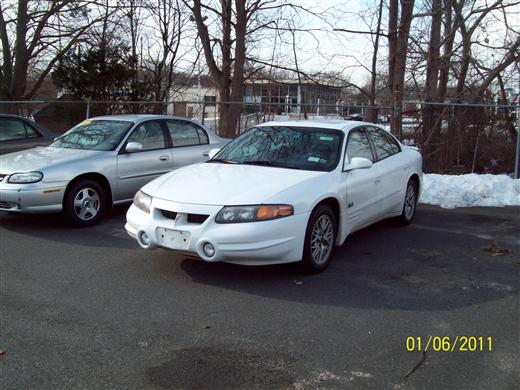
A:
35,35
167,25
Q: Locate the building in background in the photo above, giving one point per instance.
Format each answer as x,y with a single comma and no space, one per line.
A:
285,96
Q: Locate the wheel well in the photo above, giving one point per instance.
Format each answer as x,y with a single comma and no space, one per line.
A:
334,205
98,178
415,179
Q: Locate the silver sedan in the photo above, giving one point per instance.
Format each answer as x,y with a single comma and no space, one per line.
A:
100,162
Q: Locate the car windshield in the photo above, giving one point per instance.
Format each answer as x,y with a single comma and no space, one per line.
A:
93,135
305,148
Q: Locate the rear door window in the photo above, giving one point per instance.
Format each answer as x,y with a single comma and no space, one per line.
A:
385,145
184,133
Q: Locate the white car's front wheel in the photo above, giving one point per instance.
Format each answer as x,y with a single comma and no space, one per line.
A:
319,239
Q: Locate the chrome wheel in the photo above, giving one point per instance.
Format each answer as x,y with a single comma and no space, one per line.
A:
410,201
322,239
87,203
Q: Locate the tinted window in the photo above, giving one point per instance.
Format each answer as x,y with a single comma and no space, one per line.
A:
384,144
93,135
29,130
150,135
285,147
12,129
186,134
359,146
203,137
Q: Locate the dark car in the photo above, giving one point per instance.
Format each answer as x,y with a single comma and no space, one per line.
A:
355,117
18,133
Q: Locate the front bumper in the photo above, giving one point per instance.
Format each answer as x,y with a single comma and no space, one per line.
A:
32,198
253,243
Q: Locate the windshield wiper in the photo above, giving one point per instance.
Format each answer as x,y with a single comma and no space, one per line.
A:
221,160
268,163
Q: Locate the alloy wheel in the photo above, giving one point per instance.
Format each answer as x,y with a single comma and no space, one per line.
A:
322,239
87,203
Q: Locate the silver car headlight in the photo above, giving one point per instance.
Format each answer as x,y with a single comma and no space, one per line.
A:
143,201
25,177
239,214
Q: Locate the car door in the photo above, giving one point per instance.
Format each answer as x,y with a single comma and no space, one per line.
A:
190,142
393,168
135,169
362,185
16,134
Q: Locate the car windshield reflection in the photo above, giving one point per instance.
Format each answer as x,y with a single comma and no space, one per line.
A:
305,148
94,135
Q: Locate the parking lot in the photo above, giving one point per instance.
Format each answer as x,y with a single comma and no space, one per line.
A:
87,308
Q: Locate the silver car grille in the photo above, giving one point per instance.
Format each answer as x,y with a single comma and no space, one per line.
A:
8,205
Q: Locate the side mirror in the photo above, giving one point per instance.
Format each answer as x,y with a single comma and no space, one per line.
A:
213,152
358,163
133,147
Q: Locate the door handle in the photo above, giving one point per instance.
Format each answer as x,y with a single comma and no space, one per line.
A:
378,180
205,154
164,158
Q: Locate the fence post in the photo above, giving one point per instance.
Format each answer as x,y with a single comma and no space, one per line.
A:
87,114
203,111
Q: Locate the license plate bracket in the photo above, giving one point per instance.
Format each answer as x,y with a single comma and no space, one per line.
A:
174,239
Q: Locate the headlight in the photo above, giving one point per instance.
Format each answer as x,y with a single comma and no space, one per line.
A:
142,201
26,177
238,214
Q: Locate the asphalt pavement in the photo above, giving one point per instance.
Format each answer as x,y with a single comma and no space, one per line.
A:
87,308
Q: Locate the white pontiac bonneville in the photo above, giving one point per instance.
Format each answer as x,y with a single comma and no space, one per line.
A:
280,192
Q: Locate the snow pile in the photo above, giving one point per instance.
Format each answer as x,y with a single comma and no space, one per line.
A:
450,191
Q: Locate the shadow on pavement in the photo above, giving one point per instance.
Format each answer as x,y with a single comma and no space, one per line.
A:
432,264
110,232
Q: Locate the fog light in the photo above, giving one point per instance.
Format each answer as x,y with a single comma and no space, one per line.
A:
208,249
144,239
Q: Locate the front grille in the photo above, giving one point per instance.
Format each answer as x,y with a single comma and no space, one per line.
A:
197,218
190,218
169,214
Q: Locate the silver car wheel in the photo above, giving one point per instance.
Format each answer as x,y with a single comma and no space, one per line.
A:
87,203
410,201
322,239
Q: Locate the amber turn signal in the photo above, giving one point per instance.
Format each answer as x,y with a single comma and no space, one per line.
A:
271,212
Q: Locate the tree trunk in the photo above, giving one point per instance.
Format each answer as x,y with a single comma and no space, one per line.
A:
431,126
398,46
372,111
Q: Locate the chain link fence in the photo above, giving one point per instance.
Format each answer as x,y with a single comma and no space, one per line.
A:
454,138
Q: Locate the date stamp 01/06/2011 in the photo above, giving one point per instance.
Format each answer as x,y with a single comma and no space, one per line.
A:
449,344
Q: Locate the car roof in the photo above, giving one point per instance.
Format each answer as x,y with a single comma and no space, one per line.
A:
136,118
336,124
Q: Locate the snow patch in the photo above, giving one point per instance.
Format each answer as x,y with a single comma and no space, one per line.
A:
471,190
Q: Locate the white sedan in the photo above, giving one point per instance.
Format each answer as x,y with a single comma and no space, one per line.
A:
281,192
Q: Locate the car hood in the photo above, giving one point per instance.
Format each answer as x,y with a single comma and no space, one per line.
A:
225,184
38,158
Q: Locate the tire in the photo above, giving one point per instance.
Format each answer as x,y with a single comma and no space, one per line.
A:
409,204
85,203
320,236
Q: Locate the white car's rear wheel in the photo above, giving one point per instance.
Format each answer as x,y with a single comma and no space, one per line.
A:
319,239
85,203
410,203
